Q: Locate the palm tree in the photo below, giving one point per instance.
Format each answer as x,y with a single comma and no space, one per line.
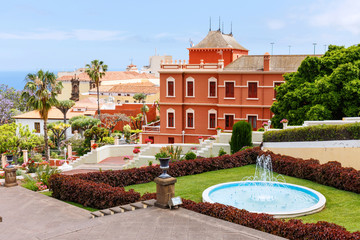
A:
96,70
41,90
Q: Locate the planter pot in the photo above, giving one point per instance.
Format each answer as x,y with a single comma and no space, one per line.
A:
164,165
285,125
266,128
201,141
148,143
218,131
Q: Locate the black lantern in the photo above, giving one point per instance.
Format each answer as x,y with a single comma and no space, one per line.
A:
164,165
9,159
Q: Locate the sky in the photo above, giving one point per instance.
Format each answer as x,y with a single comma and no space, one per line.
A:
64,35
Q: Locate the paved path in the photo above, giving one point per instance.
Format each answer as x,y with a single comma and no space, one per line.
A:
29,215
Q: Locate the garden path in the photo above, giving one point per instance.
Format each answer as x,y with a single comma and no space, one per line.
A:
30,215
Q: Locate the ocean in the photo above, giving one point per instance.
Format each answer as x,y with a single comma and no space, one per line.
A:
15,79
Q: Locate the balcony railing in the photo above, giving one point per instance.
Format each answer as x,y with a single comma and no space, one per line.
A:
182,65
152,127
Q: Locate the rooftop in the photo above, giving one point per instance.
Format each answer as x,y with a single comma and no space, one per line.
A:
278,63
54,114
111,76
146,87
216,39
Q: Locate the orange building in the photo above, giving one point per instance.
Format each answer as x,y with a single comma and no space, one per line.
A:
221,85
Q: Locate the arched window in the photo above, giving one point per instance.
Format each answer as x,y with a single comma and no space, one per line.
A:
190,118
190,87
212,116
170,87
212,87
170,113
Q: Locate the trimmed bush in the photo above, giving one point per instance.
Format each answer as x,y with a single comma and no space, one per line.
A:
292,229
241,136
190,156
315,133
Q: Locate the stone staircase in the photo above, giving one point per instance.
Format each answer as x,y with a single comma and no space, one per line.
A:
123,208
81,159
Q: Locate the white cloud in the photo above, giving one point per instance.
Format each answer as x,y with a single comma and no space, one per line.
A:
274,24
78,34
342,15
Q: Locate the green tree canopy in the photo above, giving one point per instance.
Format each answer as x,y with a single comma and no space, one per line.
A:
40,91
58,128
323,88
139,96
83,122
17,137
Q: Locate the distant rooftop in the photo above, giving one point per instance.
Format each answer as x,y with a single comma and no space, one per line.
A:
216,39
278,63
111,76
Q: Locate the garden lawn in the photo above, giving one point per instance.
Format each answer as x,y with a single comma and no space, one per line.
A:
72,203
342,207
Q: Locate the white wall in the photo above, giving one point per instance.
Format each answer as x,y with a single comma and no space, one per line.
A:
31,124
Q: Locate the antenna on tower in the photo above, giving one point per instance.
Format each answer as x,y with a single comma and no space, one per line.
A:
231,29
219,25
210,25
222,28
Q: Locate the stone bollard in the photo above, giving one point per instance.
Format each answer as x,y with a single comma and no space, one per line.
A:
3,161
69,150
165,190
10,177
25,156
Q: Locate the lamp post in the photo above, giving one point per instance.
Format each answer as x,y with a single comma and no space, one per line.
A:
314,47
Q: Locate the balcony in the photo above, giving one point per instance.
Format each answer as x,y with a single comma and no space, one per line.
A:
182,65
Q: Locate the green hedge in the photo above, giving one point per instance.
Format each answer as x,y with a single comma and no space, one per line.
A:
349,131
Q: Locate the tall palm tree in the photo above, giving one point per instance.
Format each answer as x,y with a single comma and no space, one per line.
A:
96,70
64,106
41,90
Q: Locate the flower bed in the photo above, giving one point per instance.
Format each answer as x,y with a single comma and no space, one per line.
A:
105,189
292,229
315,133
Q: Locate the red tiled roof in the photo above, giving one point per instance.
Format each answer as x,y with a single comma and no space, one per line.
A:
146,87
111,76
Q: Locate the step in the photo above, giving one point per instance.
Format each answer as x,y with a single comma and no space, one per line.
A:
137,205
149,203
96,214
106,212
127,207
117,210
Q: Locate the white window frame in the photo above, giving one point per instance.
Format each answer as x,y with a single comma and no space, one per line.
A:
225,89
169,79
253,115
170,110
281,82
212,111
212,79
189,79
190,110
257,89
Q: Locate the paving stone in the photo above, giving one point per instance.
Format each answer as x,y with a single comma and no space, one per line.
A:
117,210
97,214
138,205
150,202
106,212
127,207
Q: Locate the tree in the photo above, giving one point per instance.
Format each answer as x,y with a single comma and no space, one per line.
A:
323,88
144,110
59,129
10,103
241,136
64,107
83,123
96,70
140,97
110,120
17,137
41,90
137,121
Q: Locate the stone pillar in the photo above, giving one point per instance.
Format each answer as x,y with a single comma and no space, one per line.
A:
92,142
25,156
165,190
69,149
116,141
3,161
10,177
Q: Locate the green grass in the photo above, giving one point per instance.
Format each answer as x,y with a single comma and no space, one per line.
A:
72,203
342,207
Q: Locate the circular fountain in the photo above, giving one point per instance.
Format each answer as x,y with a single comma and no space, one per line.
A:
264,193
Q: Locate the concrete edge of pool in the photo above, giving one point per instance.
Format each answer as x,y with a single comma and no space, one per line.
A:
290,214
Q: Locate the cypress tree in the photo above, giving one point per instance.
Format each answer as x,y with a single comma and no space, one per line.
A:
241,136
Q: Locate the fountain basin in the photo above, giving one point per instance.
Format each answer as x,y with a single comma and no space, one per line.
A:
282,200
